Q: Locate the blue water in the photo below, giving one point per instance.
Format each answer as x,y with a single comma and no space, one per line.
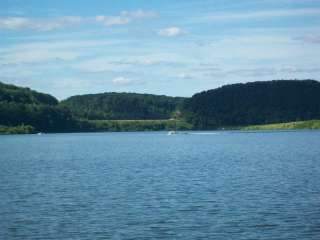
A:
230,185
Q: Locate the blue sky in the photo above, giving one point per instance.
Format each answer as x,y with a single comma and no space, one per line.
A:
174,47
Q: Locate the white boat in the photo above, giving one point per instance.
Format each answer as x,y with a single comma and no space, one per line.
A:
172,132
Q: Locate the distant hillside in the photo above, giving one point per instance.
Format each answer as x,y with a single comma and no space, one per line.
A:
23,110
124,106
23,106
12,93
254,103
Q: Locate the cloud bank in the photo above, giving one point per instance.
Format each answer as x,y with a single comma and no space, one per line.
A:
24,23
231,16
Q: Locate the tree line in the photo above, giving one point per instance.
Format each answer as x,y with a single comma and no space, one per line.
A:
254,103
122,106
26,110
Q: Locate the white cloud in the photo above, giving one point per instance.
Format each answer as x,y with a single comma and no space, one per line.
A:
38,52
38,56
139,14
229,16
128,63
14,23
185,76
18,23
22,23
123,81
257,47
171,32
270,72
113,20
292,69
125,17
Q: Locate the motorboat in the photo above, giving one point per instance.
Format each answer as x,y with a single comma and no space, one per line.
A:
172,132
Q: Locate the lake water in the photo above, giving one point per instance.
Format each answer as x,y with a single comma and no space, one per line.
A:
229,185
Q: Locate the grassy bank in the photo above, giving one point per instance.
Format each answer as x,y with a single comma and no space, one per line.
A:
107,126
312,124
21,129
134,125
156,125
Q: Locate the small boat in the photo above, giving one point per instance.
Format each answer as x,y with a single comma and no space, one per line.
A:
39,133
172,132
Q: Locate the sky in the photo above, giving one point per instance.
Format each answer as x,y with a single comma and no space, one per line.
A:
167,47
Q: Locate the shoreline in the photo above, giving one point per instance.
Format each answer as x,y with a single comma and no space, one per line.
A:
310,125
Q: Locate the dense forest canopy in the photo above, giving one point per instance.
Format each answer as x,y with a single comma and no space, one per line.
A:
22,106
25,110
11,93
254,103
125,106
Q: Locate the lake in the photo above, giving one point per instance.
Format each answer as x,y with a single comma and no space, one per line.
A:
214,185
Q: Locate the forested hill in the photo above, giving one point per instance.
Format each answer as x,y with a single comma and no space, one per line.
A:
125,106
25,110
11,93
254,103
23,106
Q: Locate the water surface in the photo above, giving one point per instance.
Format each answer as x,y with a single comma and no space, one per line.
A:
230,185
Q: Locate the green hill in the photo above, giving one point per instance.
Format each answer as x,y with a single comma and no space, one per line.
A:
122,106
254,103
236,106
12,93
21,107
